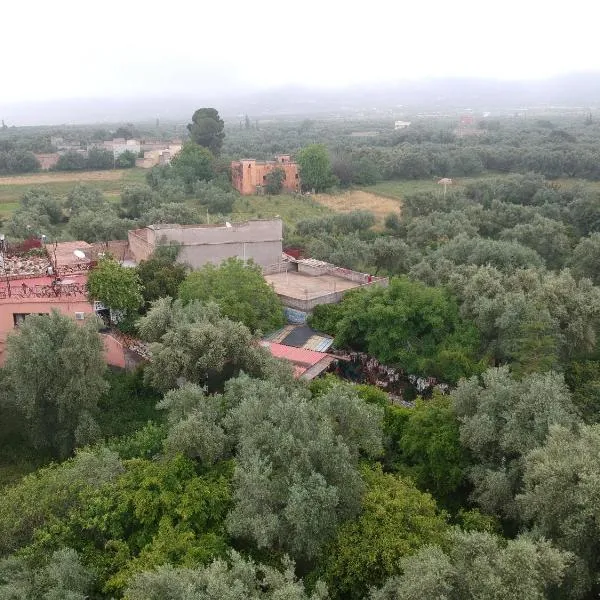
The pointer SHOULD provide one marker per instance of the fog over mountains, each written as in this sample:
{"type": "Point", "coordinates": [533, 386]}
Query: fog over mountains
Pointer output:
{"type": "Point", "coordinates": [580, 91]}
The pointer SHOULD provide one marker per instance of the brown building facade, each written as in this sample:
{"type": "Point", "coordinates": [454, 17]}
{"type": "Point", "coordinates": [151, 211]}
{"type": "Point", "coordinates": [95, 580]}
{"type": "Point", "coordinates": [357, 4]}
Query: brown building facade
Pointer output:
{"type": "Point", "coordinates": [47, 161]}
{"type": "Point", "coordinates": [249, 176]}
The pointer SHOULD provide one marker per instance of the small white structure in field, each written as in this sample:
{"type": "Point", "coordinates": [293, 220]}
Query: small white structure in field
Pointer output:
{"type": "Point", "coordinates": [445, 181]}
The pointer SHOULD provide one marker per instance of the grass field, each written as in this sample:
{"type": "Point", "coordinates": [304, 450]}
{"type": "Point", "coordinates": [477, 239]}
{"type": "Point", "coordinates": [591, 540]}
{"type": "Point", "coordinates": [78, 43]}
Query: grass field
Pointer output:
{"type": "Point", "coordinates": [290, 208]}
{"type": "Point", "coordinates": [379, 205]}
{"type": "Point", "coordinates": [60, 183]}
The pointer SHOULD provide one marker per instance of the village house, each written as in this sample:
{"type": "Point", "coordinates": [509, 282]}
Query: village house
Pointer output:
{"type": "Point", "coordinates": [302, 284]}
{"type": "Point", "coordinates": [56, 279]}
{"type": "Point", "coordinates": [158, 156]}
{"type": "Point", "coordinates": [120, 145]}
{"type": "Point", "coordinates": [48, 160]}
{"type": "Point", "coordinates": [249, 176]}
{"type": "Point", "coordinates": [259, 240]}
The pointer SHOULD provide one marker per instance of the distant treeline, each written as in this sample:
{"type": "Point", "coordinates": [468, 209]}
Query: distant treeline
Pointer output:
{"type": "Point", "coordinates": [364, 152]}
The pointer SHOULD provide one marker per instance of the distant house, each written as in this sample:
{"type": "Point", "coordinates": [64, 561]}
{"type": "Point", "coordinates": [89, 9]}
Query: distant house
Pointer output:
{"type": "Point", "coordinates": [249, 176]}
{"type": "Point", "coordinates": [259, 240]}
{"type": "Point", "coordinates": [401, 124]}
{"type": "Point", "coordinates": [119, 145]}
{"type": "Point", "coordinates": [47, 161]}
{"type": "Point", "coordinates": [158, 156]}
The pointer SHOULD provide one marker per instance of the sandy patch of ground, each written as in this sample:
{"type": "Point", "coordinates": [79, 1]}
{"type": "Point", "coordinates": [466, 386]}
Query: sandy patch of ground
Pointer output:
{"type": "Point", "coordinates": [39, 178]}
{"type": "Point", "coordinates": [380, 206]}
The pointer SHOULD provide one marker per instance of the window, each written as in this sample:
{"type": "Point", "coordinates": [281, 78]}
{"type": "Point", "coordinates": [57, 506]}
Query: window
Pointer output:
{"type": "Point", "coordinates": [19, 318]}
{"type": "Point", "coordinates": [297, 176]}
{"type": "Point", "coordinates": [79, 316]}
{"type": "Point", "coordinates": [264, 177]}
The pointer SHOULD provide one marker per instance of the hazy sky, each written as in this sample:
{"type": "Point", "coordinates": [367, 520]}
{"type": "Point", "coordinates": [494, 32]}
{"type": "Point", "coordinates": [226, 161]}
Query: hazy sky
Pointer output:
{"type": "Point", "coordinates": [74, 49]}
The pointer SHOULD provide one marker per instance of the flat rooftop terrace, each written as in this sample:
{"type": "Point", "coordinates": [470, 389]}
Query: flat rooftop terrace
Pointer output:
{"type": "Point", "coordinates": [308, 287]}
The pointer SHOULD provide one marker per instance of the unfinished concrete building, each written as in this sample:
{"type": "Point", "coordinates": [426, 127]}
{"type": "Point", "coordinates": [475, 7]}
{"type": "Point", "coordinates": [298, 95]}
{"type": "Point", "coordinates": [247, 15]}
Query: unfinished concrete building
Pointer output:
{"type": "Point", "coordinates": [249, 176]}
{"type": "Point", "coordinates": [259, 240]}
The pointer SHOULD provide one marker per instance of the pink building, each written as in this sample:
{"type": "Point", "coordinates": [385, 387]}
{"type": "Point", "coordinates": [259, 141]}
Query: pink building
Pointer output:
{"type": "Point", "coordinates": [39, 295]}
{"type": "Point", "coordinates": [58, 281]}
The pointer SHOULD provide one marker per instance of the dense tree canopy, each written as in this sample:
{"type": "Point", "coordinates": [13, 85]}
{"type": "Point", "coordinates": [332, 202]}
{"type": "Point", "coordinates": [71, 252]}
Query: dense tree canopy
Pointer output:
{"type": "Point", "coordinates": [53, 381]}
{"type": "Point", "coordinates": [396, 520]}
{"type": "Point", "coordinates": [239, 289]}
{"type": "Point", "coordinates": [501, 420]}
{"type": "Point", "coordinates": [408, 324]}
{"type": "Point", "coordinates": [479, 565]}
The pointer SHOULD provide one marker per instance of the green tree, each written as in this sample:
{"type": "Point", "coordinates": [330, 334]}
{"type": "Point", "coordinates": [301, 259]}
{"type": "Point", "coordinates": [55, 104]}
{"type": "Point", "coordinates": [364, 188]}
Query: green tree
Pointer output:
{"type": "Point", "coordinates": [236, 579]}
{"type": "Point", "coordinates": [71, 161]}
{"type": "Point", "coordinates": [85, 197]}
{"type": "Point", "coordinates": [100, 225]}
{"type": "Point", "coordinates": [213, 198]}
{"type": "Point", "coordinates": [206, 129]}
{"type": "Point", "coordinates": [501, 420]}
{"type": "Point", "coordinates": [160, 276]}
{"type": "Point", "coordinates": [431, 452]}
{"type": "Point", "coordinates": [560, 498]}
{"type": "Point", "coordinates": [64, 577]}
{"type": "Point", "coordinates": [171, 212]}
{"type": "Point", "coordinates": [154, 512]}
{"type": "Point", "coordinates": [240, 290]}
{"type": "Point", "coordinates": [315, 168]}
{"type": "Point", "coordinates": [586, 257]}
{"type": "Point", "coordinates": [195, 342]}
{"type": "Point", "coordinates": [193, 163]}
{"type": "Point", "coordinates": [53, 378]}
{"type": "Point", "coordinates": [117, 287]}
{"type": "Point", "coordinates": [136, 200]}
{"type": "Point", "coordinates": [549, 238]}
{"type": "Point", "coordinates": [126, 160]}
{"type": "Point", "coordinates": [49, 494]}
{"type": "Point", "coordinates": [274, 182]}
{"type": "Point", "coordinates": [479, 565]}
{"type": "Point", "coordinates": [296, 476]}
{"type": "Point", "coordinates": [408, 324]}
{"type": "Point", "coordinates": [395, 521]}
{"type": "Point", "coordinates": [100, 159]}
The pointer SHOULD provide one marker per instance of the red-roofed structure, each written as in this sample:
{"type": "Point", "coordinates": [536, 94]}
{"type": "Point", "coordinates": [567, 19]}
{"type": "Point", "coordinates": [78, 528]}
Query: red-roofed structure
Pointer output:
{"type": "Point", "coordinates": [308, 364]}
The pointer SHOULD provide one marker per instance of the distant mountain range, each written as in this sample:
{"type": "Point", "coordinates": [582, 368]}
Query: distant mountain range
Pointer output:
{"type": "Point", "coordinates": [574, 91]}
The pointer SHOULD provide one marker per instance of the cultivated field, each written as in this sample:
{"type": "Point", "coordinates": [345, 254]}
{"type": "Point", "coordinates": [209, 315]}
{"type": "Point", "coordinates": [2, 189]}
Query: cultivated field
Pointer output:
{"type": "Point", "coordinates": [60, 183]}
{"type": "Point", "coordinates": [34, 179]}
{"type": "Point", "coordinates": [380, 206]}
{"type": "Point", "coordinates": [291, 209]}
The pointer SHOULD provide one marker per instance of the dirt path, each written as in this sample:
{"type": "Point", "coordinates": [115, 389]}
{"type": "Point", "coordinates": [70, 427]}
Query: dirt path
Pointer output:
{"type": "Point", "coordinates": [380, 206]}
{"type": "Point", "coordinates": [40, 178]}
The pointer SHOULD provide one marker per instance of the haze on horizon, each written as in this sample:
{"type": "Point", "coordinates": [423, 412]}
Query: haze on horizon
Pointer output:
{"type": "Point", "coordinates": [74, 50]}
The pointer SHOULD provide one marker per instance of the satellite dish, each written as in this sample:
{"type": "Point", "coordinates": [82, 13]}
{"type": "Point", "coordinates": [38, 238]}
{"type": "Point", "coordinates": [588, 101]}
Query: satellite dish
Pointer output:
{"type": "Point", "coordinates": [79, 254]}
{"type": "Point", "coordinates": [228, 224]}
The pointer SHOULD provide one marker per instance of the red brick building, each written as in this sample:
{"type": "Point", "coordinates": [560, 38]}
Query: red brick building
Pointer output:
{"type": "Point", "coordinates": [249, 176]}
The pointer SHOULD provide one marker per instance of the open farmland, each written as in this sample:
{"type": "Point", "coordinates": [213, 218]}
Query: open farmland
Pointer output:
{"type": "Point", "coordinates": [60, 183]}
{"type": "Point", "coordinates": [380, 206]}
{"type": "Point", "coordinates": [291, 209]}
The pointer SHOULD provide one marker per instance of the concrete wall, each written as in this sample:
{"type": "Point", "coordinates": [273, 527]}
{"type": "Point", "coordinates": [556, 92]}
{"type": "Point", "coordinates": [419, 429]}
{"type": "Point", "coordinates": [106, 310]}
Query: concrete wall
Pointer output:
{"type": "Point", "coordinates": [114, 353]}
{"type": "Point", "coordinates": [262, 253]}
{"type": "Point", "coordinates": [139, 247]}
{"type": "Point", "coordinates": [260, 241]}
{"type": "Point", "coordinates": [307, 306]}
